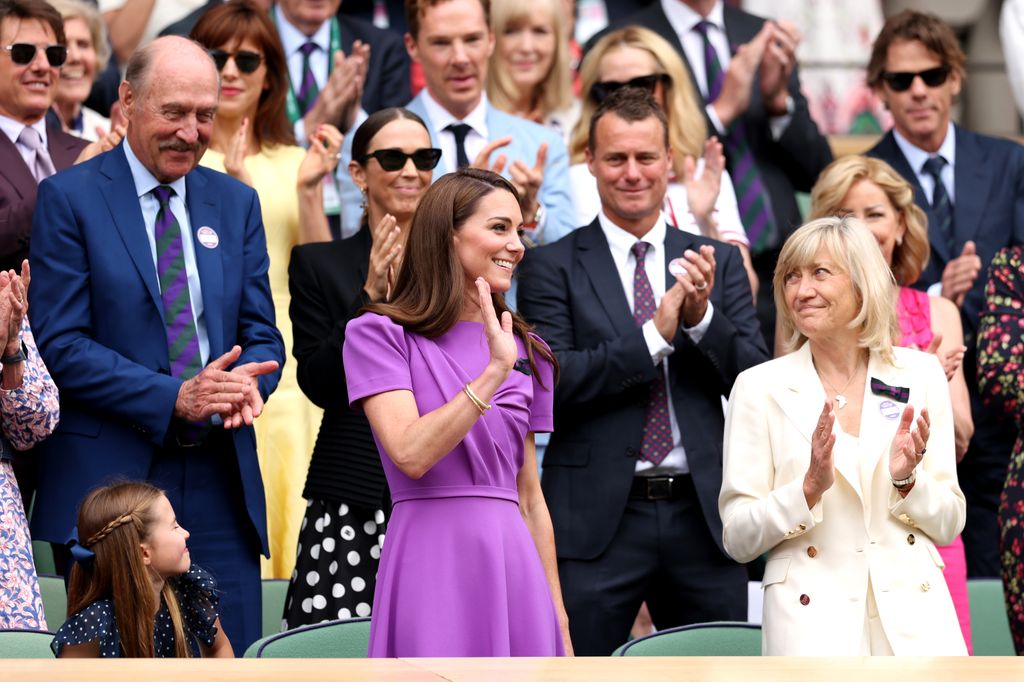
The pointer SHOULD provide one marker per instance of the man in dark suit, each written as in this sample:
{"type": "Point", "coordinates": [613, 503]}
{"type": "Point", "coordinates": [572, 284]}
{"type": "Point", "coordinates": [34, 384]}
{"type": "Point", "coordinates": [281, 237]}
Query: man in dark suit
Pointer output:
{"type": "Point", "coordinates": [972, 189]}
{"type": "Point", "coordinates": [30, 150]}
{"type": "Point", "coordinates": [745, 70]}
{"type": "Point", "coordinates": [634, 468]}
{"type": "Point", "coordinates": [152, 310]}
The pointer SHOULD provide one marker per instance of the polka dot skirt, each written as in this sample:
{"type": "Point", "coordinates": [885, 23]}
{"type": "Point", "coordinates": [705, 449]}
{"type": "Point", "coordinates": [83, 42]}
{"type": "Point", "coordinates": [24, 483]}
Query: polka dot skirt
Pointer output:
{"type": "Point", "coordinates": [335, 565]}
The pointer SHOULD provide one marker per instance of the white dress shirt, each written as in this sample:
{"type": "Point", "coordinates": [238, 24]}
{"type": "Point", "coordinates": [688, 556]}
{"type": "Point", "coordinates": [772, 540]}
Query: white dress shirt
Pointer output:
{"type": "Point", "coordinates": [144, 185]}
{"type": "Point", "coordinates": [620, 243]}
{"type": "Point", "coordinates": [476, 139]}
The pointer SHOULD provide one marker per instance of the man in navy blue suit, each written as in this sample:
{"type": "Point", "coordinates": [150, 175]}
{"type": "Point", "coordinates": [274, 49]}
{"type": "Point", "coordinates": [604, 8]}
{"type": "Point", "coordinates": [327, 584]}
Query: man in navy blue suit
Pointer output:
{"type": "Point", "coordinates": [152, 308]}
{"type": "Point", "coordinates": [972, 188]}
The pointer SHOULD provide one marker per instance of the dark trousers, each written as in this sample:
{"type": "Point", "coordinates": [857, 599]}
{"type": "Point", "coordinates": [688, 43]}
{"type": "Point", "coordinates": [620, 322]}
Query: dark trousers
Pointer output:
{"type": "Point", "coordinates": [662, 553]}
{"type": "Point", "coordinates": [205, 489]}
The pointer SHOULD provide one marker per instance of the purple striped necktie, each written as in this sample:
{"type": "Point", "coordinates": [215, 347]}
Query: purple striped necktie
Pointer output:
{"type": "Point", "coordinates": [182, 337]}
{"type": "Point", "coordinates": [657, 436]}
{"type": "Point", "coordinates": [751, 195]}
{"type": "Point", "coordinates": [308, 89]}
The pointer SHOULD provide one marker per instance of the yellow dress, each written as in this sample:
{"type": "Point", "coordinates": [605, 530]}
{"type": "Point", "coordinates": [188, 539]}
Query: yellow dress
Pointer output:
{"type": "Point", "coordinates": [286, 431]}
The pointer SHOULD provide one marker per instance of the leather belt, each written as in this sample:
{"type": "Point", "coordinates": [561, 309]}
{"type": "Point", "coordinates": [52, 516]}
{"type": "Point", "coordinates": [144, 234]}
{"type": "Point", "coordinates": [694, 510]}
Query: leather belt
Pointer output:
{"type": "Point", "coordinates": [660, 487]}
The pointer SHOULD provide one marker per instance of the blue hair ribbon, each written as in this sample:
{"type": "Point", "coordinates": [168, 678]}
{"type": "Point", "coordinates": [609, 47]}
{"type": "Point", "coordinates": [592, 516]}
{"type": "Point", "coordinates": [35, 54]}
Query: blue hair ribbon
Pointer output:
{"type": "Point", "coordinates": [82, 555]}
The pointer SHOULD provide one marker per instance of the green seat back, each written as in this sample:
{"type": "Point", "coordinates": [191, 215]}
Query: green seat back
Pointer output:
{"type": "Point", "coordinates": [25, 644]}
{"type": "Point", "coordinates": [43, 555]}
{"type": "Point", "coordinates": [990, 629]}
{"type": "Point", "coordinates": [702, 639]}
{"type": "Point", "coordinates": [55, 600]}
{"type": "Point", "coordinates": [274, 593]}
{"type": "Point", "coordinates": [333, 639]}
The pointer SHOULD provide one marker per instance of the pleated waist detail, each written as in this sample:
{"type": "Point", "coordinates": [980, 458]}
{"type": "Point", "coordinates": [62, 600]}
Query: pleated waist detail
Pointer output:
{"type": "Point", "coordinates": [446, 491]}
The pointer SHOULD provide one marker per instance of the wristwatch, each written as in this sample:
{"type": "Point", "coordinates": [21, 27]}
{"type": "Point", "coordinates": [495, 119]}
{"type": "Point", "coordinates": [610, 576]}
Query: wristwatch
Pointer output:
{"type": "Point", "coordinates": [18, 357]}
{"type": "Point", "coordinates": [903, 483]}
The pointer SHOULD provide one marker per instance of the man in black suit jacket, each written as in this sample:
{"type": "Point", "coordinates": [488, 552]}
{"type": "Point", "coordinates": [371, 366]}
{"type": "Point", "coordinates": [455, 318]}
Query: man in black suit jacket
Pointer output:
{"type": "Point", "coordinates": [917, 67]}
{"type": "Point", "coordinates": [760, 96]}
{"type": "Point", "coordinates": [634, 467]}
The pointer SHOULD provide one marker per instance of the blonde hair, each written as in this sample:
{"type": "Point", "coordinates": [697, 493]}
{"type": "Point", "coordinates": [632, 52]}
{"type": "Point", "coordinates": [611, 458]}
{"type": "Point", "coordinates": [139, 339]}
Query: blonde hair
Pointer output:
{"type": "Point", "coordinates": [687, 129]}
{"type": "Point", "coordinates": [77, 9]}
{"type": "Point", "coordinates": [113, 522]}
{"type": "Point", "coordinates": [554, 93]}
{"type": "Point", "coordinates": [853, 248]}
{"type": "Point", "coordinates": [909, 257]}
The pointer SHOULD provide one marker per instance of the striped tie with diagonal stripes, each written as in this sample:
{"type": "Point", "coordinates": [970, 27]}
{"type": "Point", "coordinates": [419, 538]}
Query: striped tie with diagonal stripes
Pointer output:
{"type": "Point", "coordinates": [308, 89]}
{"type": "Point", "coordinates": [182, 338]}
{"type": "Point", "coordinates": [751, 195]}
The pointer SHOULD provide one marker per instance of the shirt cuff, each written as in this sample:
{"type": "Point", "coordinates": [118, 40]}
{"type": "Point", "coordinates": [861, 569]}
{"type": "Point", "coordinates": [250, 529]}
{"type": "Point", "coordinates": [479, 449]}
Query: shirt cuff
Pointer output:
{"type": "Point", "coordinates": [715, 121]}
{"type": "Point", "coordinates": [778, 124]}
{"type": "Point", "coordinates": [300, 133]}
{"type": "Point", "coordinates": [657, 346]}
{"type": "Point", "coordinates": [697, 332]}
{"type": "Point", "coordinates": [935, 290]}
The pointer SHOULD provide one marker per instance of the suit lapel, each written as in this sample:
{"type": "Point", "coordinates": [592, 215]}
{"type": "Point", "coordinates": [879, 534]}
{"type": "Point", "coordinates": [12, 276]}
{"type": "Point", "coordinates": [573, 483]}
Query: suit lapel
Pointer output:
{"type": "Point", "coordinates": [890, 152]}
{"type": "Point", "coordinates": [798, 389]}
{"type": "Point", "coordinates": [203, 212]}
{"type": "Point", "coordinates": [881, 415]}
{"type": "Point", "coordinates": [64, 149]}
{"type": "Point", "coordinates": [14, 168]}
{"type": "Point", "coordinates": [596, 259]}
{"type": "Point", "coordinates": [120, 194]}
{"type": "Point", "coordinates": [972, 177]}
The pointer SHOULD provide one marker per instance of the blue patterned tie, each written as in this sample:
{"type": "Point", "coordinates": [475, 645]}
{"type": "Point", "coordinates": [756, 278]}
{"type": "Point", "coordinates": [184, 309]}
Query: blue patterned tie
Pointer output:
{"type": "Point", "coordinates": [942, 207]}
{"type": "Point", "coordinates": [657, 437]}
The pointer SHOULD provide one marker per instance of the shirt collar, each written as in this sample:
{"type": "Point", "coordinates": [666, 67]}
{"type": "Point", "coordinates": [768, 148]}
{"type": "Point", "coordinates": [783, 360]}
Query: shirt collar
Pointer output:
{"type": "Point", "coordinates": [145, 182]}
{"type": "Point", "coordinates": [683, 19]}
{"type": "Point", "coordinates": [621, 241]}
{"type": "Point", "coordinates": [442, 118]}
{"type": "Point", "coordinates": [292, 38]}
{"type": "Point", "coordinates": [916, 156]}
{"type": "Point", "coordinates": [13, 128]}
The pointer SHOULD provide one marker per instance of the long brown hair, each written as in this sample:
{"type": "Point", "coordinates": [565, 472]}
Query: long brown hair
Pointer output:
{"type": "Point", "coordinates": [431, 285]}
{"type": "Point", "coordinates": [240, 20]}
{"type": "Point", "coordinates": [113, 522]}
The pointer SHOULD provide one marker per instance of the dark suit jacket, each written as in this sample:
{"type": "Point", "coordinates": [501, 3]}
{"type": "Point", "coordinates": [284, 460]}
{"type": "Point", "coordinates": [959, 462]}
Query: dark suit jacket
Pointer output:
{"type": "Point", "coordinates": [789, 165]}
{"type": "Point", "coordinates": [326, 283]}
{"type": "Point", "coordinates": [387, 76]}
{"type": "Point", "coordinates": [571, 291]}
{"type": "Point", "coordinates": [988, 181]}
{"type": "Point", "coordinates": [99, 325]}
{"type": "Point", "coordinates": [18, 192]}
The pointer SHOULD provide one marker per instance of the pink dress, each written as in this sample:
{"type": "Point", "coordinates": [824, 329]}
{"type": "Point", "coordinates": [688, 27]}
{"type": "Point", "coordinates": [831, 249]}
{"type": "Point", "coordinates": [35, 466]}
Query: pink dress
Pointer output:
{"type": "Point", "coordinates": [914, 310]}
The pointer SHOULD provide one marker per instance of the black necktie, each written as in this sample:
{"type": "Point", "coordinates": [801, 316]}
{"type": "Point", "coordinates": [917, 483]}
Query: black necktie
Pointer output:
{"type": "Point", "coordinates": [460, 130]}
{"type": "Point", "coordinates": [942, 207]}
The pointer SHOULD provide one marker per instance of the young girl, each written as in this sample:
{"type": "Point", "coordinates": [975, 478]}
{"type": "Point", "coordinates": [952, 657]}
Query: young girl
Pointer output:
{"type": "Point", "coordinates": [134, 591]}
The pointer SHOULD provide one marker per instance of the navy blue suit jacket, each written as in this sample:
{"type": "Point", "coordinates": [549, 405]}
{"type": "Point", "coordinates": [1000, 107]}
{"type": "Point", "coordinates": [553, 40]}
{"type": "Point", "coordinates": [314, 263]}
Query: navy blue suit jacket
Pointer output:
{"type": "Point", "coordinates": [988, 181]}
{"type": "Point", "coordinates": [571, 291]}
{"type": "Point", "coordinates": [98, 320]}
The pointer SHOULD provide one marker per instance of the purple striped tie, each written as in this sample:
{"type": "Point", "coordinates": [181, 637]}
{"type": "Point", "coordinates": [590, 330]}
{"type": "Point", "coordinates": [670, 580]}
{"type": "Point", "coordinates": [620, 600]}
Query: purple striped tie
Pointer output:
{"type": "Point", "coordinates": [657, 439]}
{"type": "Point", "coordinates": [308, 90]}
{"type": "Point", "coordinates": [182, 338]}
{"type": "Point", "coordinates": [751, 195]}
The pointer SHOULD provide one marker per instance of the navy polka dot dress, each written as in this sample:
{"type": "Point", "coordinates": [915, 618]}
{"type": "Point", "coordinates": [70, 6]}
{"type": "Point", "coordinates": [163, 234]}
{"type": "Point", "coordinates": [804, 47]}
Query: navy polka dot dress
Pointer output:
{"type": "Point", "coordinates": [197, 595]}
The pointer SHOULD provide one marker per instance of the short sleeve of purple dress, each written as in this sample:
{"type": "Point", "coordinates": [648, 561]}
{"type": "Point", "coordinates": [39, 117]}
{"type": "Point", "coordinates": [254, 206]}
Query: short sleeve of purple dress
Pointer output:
{"type": "Point", "coordinates": [459, 572]}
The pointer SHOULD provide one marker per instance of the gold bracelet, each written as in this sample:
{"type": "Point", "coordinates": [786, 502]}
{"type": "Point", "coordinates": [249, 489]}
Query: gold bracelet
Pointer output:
{"type": "Point", "coordinates": [475, 399]}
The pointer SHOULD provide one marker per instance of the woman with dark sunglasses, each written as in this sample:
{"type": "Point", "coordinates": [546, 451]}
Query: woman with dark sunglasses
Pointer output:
{"type": "Point", "coordinates": [340, 542]}
{"type": "Point", "coordinates": [700, 197]}
{"type": "Point", "coordinates": [253, 141]}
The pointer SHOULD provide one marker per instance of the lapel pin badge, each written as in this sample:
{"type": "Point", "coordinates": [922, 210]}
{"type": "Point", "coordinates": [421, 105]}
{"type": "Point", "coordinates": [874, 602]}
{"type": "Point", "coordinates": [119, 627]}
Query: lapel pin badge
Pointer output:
{"type": "Point", "coordinates": [889, 410]}
{"type": "Point", "coordinates": [207, 237]}
{"type": "Point", "coordinates": [898, 393]}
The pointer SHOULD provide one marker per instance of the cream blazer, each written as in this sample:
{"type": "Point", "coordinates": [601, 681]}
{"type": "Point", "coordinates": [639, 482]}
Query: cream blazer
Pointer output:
{"type": "Point", "coordinates": [820, 560]}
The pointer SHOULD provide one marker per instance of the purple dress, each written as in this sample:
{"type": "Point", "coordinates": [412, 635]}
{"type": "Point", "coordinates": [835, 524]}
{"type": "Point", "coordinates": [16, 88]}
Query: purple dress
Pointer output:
{"type": "Point", "coordinates": [459, 573]}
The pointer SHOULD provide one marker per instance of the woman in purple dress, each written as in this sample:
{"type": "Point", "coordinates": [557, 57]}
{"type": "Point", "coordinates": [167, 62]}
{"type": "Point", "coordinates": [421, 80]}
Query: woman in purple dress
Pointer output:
{"type": "Point", "coordinates": [454, 387]}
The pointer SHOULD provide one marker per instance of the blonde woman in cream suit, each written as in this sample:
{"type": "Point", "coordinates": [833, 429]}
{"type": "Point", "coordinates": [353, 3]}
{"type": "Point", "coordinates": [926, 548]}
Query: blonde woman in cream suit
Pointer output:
{"type": "Point", "coordinates": [839, 463]}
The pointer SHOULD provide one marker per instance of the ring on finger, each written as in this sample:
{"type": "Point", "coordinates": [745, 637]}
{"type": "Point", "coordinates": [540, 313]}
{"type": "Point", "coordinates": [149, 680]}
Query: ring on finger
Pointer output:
{"type": "Point", "coordinates": [702, 287]}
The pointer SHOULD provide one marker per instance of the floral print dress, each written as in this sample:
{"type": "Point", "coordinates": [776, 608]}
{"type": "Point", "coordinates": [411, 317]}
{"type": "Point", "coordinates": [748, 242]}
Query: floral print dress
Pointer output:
{"type": "Point", "coordinates": [28, 414]}
{"type": "Point", "coordinates": [1001, 381]}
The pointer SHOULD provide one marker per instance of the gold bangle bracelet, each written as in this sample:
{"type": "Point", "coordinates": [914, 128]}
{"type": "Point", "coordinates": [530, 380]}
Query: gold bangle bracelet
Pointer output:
{"type": "Point", "coordinates": [475, 399]}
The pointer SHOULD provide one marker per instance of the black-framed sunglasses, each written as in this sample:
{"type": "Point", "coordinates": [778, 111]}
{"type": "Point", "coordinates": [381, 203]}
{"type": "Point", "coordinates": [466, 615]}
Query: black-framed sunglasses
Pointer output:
{"type": "Point", "coordinates": [246, 61]}
{"type": "Point", "coordinates": [395, 159]}
{"type": "Point", "coordinates": [899, 81]}
{"type": "Point", "coordinates": [602, 89]}
{"type": "Point", "coordinates": [22, 54]}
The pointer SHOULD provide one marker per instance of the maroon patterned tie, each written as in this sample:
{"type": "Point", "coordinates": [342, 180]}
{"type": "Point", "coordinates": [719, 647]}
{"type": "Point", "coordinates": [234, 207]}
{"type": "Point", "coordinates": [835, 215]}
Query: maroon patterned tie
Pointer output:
{"type": "Point", "coordinates": [657, 438]}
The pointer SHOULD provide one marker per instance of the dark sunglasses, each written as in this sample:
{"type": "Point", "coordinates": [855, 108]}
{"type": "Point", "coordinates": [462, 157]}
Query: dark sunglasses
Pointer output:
{"type": "Point", "coordinates": [601, 90]}
{"type": "Point", "coordinates": [246, 61]}
{"type": "Point", "coordinates": [898, 81]}
{"type": "Point", "coordinates": [22, 54]}
{"type": "Point", "coordinates": [395, 159]}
